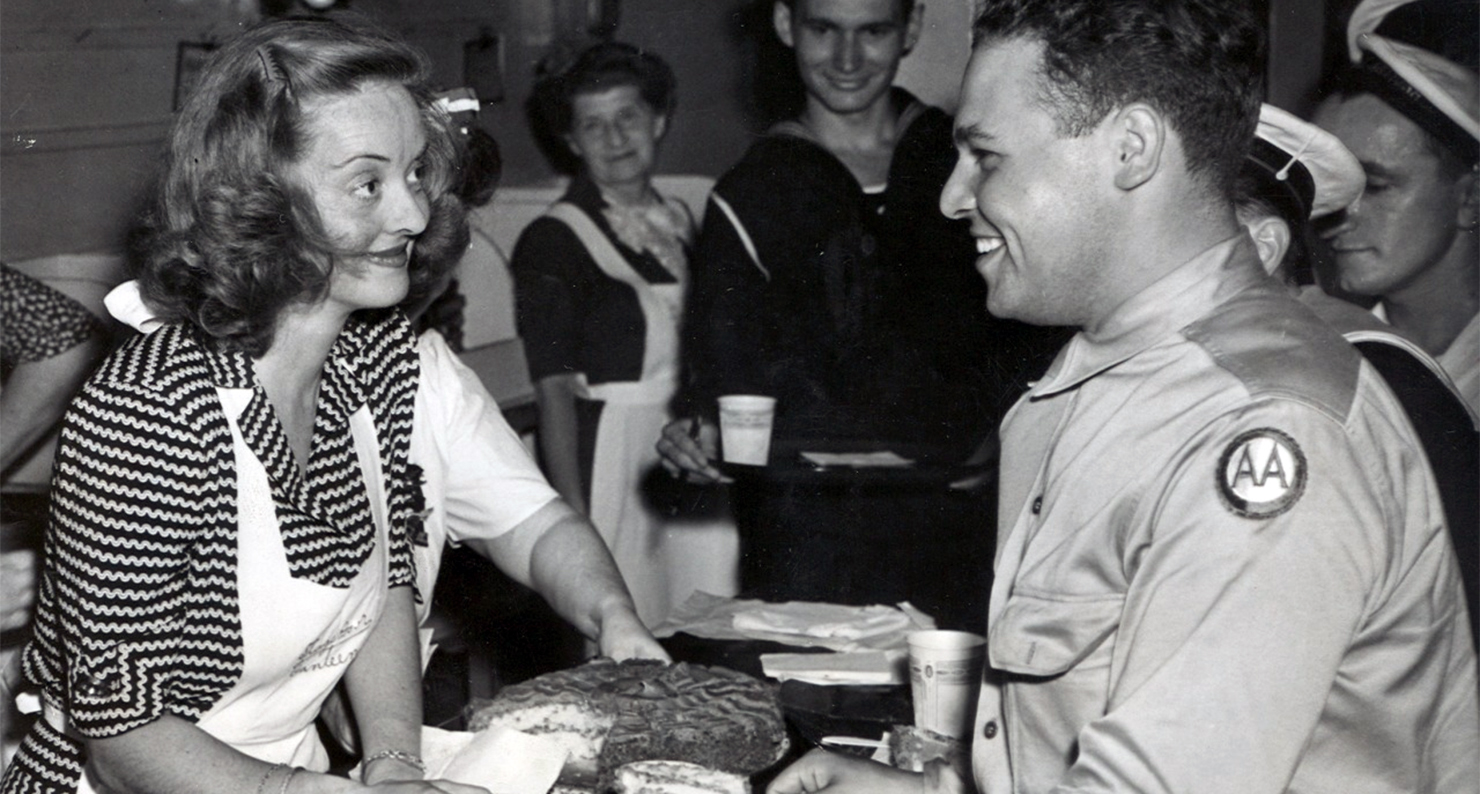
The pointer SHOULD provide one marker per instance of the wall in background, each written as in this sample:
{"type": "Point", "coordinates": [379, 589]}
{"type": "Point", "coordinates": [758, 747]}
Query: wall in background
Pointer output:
{"type": "Point", "coordinates": [710, 46]}
{"type": "Point", "coordinates": [86, 91]}
{"type": "Point", "coordinates": [87, 88]}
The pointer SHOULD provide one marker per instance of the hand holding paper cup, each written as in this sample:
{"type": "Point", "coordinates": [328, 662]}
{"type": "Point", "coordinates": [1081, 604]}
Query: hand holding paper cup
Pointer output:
{"type": "Point", "coordinates": [745, 428]}
{"type": "Point", "coordinates": [945, 675]}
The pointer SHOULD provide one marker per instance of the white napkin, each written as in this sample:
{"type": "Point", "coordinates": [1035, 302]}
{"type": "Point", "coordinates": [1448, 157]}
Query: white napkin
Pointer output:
{"type": "Point", "coordinates": [500, 759]}
{"type": "Point", "coordinates": [824, 621]}
{"type": "Point", "coordinates": [800, 623]}
{"type": "Point", "coordinates": [855, 668]}
{"type": "Point", "coordinates": [857, 460]}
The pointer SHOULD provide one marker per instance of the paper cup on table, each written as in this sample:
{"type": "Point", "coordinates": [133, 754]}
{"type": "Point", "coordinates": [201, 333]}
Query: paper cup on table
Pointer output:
{"type": "Point", "coordinates": [945, 675]}
{"type": "Point", "coordinates": [745, 428]}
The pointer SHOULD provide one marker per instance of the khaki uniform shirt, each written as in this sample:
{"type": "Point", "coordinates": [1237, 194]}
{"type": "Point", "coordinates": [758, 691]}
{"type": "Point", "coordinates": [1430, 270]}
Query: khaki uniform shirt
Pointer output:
{"type": "Point", "coordinates": [1223, 564]}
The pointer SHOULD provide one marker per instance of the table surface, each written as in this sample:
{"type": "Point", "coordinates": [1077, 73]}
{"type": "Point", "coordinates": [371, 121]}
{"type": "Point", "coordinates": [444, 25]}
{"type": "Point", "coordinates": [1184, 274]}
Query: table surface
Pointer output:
{"type": "Point", "coordinates": [932, 468]}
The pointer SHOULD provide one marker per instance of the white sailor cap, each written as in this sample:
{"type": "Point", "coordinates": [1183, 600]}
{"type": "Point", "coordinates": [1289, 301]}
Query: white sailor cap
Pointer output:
{"type": "Point", "coordinates": [1302, 167]}
{"type": "Point", "coordinates": [1439, 95]}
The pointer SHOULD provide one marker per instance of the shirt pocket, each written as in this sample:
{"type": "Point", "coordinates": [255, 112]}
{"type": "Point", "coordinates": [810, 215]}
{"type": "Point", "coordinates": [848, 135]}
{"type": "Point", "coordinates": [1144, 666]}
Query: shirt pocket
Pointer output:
{"type": "Point", "coordinates": [1047, 635]}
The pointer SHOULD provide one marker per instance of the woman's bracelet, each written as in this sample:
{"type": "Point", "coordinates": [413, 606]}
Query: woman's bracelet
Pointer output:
{"type": "Point", "coordinates": [410, 759]}
{"type": "Point", "coordinates": [265, 776]}
{"type": "Point", "coordinates": [291, 772]}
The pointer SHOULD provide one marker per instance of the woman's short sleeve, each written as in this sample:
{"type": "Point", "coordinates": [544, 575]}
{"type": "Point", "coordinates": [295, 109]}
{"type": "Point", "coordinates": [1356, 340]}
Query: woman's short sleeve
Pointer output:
{"type": "Point", "coordinates": [549, 290]}
{"type": "Point", "coordinates": [138, 607]}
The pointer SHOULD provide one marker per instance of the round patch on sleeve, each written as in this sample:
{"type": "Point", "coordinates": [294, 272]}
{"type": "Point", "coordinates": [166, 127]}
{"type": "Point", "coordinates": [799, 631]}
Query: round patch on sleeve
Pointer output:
{"type": "Point", "coordinates": [1262, 473]}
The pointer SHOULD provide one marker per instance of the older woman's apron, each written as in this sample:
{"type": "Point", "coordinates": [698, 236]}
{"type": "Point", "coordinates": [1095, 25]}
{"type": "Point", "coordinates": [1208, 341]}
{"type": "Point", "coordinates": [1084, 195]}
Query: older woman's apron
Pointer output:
{"type": "Point", "coordinates": [662, 559]}
{"type": "Point", "coordinates": [298, 637]}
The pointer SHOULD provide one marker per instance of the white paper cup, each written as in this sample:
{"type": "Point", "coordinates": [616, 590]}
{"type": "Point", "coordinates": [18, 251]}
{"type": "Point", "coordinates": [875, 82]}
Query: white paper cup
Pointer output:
{"type": "Point", "coordinates": [745, 428]}
{"type": "Point", "coordinates": [945, 676]}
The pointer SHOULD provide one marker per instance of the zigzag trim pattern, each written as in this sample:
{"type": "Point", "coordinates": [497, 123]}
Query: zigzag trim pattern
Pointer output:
{"type": "Point", "coordinates": [47, 763]}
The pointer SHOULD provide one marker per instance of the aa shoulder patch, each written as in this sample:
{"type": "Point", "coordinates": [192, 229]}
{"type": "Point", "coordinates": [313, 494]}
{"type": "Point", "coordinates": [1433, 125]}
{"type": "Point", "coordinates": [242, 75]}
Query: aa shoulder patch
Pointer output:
{"type": "Point", "coordinates": [1261, 474]}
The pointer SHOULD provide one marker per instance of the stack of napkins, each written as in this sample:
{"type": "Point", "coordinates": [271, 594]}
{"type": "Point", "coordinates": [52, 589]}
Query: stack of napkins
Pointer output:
{"type": "Point", "coordinates": [857, 460]}
{"type": "Point", "coordinates": [806, 624]}
{"type": "Point", "coordinates": [829, 623]}
{"type": "Point", "coordinates": [855, 668]}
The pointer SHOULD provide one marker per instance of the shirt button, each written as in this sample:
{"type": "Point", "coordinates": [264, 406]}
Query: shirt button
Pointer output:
{"type": "Point", "coordinates": [1037, 505]}
{"type": "Point", "coordinates": [989, 730]}
{"type": "Point", "coordinates": [880, 210]}
{"type": "Point", "coordinates": [868, 244]}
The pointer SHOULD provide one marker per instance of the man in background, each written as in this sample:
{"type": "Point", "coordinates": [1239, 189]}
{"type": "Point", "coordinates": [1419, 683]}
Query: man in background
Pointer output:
{"type": "Point", "coordinates": [1297, 172]}
{"type": "Point", "coordinates": [1409, 109]}
{"type": "Point", "coordinates": [818, 280]}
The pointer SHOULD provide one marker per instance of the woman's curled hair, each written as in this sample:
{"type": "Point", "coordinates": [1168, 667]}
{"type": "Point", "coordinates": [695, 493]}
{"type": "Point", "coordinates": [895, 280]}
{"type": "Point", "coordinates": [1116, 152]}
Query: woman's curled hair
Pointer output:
{"type": "Point", "coordinates": [231, 241]}
{"type": "Point", "coordinates": [597, 68]}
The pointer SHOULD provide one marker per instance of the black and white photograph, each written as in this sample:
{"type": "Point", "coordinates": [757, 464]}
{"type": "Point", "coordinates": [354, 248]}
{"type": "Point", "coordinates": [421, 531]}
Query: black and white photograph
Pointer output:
{"type": "Point", "coordinates": [739, 396]}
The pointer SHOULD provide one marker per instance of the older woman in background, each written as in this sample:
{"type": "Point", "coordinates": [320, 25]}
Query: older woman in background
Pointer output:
{"type": "Point", "coordinates": [599, 286]}
{"type": "Point", "coordinates": [243, 470]}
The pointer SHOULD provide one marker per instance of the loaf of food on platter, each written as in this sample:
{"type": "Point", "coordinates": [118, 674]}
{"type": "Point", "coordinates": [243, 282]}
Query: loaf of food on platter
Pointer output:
{"type": "Point", "coordinates": [611, 713]}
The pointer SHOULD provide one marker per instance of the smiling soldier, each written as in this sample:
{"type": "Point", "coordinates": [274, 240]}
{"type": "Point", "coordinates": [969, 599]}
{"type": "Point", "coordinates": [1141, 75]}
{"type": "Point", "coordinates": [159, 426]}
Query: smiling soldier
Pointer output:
{"type": "Point", "coordinates": [1223, 563]}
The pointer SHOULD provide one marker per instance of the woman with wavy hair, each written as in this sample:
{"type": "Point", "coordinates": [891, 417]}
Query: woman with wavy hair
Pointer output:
{"type": "Point", "coordinates": [232, 506]}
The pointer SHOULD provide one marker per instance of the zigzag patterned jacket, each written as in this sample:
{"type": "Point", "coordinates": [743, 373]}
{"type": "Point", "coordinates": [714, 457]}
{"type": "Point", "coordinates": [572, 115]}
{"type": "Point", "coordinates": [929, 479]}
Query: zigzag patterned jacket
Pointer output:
{"type": "Point", "coordinates": [137, 612]}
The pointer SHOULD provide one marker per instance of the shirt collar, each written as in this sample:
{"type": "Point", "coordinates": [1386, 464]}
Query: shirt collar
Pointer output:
{"type": "Point", "coordinates": [1173, 302]}
{"type": "Point", "coordinates": [231, 368]}
{"type": "Point", "coordinates": [910, 109]}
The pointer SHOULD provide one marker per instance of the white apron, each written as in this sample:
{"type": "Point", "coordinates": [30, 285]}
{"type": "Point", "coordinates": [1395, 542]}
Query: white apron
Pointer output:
{"type": "Point", "coordinates": [298, 637]}
{"type": "Point", "coordinates": [662, 559]}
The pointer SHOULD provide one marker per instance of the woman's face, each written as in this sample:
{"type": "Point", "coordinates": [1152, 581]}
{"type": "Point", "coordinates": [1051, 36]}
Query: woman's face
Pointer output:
{"type": "Point", "coordinates": [362, 166]}
{"type": "Point", "coordinates": [616, 134]}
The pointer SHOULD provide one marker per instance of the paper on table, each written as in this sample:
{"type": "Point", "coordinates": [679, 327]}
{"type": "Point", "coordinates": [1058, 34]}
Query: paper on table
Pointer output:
{"type": "Point", "coordinates": [857, 668]}
{"type": "Point", "coordinates": [500, 759]}
{"type": "Point", "coordinates": [857, 460]}
{"type": "Point", "coordinates": [823, 623]}
{"type": "Point", "coordinates": [795, 622]}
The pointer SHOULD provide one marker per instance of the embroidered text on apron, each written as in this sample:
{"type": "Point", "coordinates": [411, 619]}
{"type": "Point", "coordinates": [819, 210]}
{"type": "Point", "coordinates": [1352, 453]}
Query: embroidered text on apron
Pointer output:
{"type": "Point", "coordinates": [297, 636]}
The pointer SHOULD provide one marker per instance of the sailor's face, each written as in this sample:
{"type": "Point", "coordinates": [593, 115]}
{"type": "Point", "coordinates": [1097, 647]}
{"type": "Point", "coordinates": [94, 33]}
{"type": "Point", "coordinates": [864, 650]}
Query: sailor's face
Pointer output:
{"type": "Point", "coordinates": [847, 51]}
{"type": "Point", "coordinates": [1410, 213]}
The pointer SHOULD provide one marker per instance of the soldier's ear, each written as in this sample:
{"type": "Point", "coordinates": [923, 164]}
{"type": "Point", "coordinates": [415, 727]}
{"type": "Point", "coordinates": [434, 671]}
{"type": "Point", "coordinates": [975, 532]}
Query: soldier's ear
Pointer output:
{"type": "Point", "coordinates": [1138, 134]}
{"type": "Point", "coordinates": [1271, 239]}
